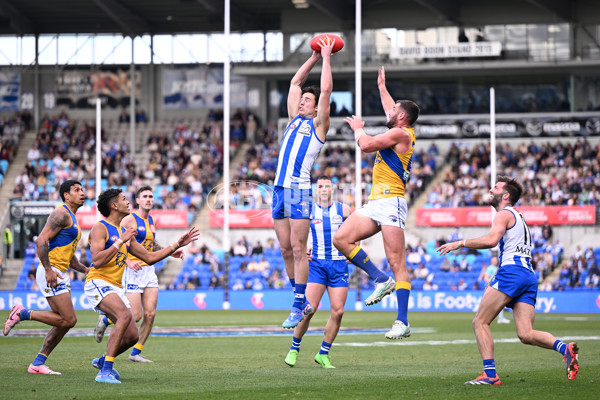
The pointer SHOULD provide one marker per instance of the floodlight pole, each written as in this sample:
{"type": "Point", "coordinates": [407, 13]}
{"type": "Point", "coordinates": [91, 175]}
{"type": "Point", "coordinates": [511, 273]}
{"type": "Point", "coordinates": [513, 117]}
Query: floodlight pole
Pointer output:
{"type": "Point", "coordinates": [132, 102]}
{"type": "Point", "coordinates": [492, 141]}
{"type": "Point", "coordinates": [358, 100]}
{"type": "Point", "coordinates": [358, 111]}
{"type": "Point", "coordinates": [98, 147]}
{"type": "Point", "coordinates": [226, 132]}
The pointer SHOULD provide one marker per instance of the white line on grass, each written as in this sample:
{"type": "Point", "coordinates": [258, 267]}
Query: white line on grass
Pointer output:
{"type": "Point", "coordinates": [449, 342]}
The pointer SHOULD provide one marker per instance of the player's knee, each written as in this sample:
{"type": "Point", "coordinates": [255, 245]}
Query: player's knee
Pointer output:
{"type": "Point", "coordinates": [286, 252]}
{"type": "Point", "coordinates": [69, 322]}
{"type": "Point", "coordinates": [526, 337]}
{"type": "Point", "coordinates": [124, 317]}
{"type": "Point", "coordinates": [298, 252]}
{"type": "Point", "coordinates": [149, 315]}
{"type": "Point", "coordinates": [337, 313]}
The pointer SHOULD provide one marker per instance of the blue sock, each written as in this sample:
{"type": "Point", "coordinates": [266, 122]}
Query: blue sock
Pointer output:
{"type": "Point", "coordinates": [325, 348]}
{"type": "Point", "coordinates": [107, 367]}
{"type": "Point", "coordinates": [106, 321]}
{"type": "Point", "coordinates": [403, 294]}
{"type": "Point", "coordinates": [489, 367]}
{"type": "Point", "coordinates": [293, 282]}
{"type": "Point", "coordinates": [101, 362]}
{"type": "Point", "coordinates": [299, 297]}
{"type": "Point", "coordinates": [359, 258]}
{"type": "Point", "coordinates": [296, 343]}
{"type": "Point", "coordinates": [560, 346]}
{"type": "Point", "coordinates": [25, 315]}
{"type": "Point", "coordinates": [40, 360]}
{"type": "Point", "coordinates": [137, 349]}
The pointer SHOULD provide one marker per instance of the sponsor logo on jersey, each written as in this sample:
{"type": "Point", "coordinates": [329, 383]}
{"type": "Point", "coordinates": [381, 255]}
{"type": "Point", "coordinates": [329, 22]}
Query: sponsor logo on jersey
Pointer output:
{"type": "Point", "coordinates": [304, 128]}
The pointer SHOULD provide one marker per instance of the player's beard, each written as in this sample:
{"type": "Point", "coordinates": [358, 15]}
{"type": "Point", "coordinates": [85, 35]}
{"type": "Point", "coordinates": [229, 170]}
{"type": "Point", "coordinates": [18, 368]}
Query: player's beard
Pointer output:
{"type": "Point", "coordinates": [391, 123]}
{"type": "Point", "coordinates": [495, 200]}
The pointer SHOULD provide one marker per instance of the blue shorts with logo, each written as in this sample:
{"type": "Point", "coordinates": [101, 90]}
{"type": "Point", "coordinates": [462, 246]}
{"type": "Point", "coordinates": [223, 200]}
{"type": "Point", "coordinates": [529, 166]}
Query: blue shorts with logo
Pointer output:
{"type": "Point", "coordinates": [331, 273]}
{"type": "Point", "coordinates": [517, 282]}
{"type": "Point", "coordinates": [291, 203]}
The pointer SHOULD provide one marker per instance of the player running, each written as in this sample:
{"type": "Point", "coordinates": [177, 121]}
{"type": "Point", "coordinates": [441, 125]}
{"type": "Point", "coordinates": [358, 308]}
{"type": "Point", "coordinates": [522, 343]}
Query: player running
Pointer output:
{"type": "Point", "coordinates": [141, 286]}
{"type": "Point", "coordinates": [110, 244]}
{"type": "Point", "coordinates": [515, 284]}
{"type": "Point", "coordinates": [56, 246]}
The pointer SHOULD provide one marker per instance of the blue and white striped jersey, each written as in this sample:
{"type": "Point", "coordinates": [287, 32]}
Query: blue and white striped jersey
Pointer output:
{"type": "Point", "coordinates": [515, 246]}
{"type": "Point", "coordinates": [324, 224]}
{"type": "Point", "coordinates": [299, 150]}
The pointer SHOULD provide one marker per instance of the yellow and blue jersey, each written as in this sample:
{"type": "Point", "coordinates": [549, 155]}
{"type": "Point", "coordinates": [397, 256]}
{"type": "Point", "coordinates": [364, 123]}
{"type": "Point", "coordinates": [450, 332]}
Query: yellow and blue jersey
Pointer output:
{"type": "Point", "coordinates": [61, 247]}
{"type": "Point", "coordinates": [391, 171]}
{"type": "Point", "coordinates": [112, 271]}
{"type": "Point", "coordinates": [146, 232]}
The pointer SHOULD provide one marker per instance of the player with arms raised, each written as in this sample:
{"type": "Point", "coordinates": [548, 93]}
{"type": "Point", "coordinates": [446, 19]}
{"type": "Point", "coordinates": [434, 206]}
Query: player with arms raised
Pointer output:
{"type": "Point", "coordinates": [308, 111]}
{"type": "Point", "coordinates": [386, 210]}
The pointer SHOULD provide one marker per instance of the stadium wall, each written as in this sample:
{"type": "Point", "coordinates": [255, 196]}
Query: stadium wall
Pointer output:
{"type": "Point", "coordinates": [456, 301]}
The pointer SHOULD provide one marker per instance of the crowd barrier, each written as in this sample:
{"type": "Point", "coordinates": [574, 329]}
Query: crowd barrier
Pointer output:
{"type": "Point", "coordinates": [461, 301]}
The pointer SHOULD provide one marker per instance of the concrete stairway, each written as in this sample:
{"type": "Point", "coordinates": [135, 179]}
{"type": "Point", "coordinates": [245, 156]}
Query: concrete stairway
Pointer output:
{"type": "Point", "coordinates": [12, 268]}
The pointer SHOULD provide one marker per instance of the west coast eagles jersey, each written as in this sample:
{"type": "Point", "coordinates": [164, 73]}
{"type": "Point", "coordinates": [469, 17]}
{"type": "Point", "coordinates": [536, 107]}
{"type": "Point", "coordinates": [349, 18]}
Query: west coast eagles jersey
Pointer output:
{"type": "Point", "coordinates": [391, 171]}
{"type": "Point", "coordinates": [146, 232]}
{"type": "Point", "coordinates": [112, 271]}
{"type": "Point", "coordinates": [61, 247]}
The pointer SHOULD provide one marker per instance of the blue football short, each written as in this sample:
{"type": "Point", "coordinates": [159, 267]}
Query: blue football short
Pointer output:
{"type": "Point", "coordinates": [291, 203]}
{"type": "Point", "coordinates": [516, 282]}
{"type": "Point", "coordinates": [331, 273]}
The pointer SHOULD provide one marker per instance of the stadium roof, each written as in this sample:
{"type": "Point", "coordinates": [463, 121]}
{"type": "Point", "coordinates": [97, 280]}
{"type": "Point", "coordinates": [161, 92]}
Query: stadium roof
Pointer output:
{"type": "Point", "coordinates": [135, 17]}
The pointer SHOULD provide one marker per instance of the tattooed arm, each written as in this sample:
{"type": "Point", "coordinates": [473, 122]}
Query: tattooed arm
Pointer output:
{"type": "Point", "coordinates": [58, 219]}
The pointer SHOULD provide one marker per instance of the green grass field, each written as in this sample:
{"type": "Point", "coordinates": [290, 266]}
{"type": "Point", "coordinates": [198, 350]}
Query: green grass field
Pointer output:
{"type": "Point", "coordinates": [432, 364]}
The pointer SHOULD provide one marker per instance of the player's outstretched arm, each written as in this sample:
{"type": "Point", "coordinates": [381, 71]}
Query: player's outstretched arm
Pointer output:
{"type": "Point", "coordinates": [386, 99]}
{"type": "Point", "coordinates": [395, 137]}
{"type": "Point", "coordinates": [322, 121]}
{"type": "Point", "coordinates": [178, 254]}
{"type": "Point", "coordinates": [153, 257]}
{"type": "Point", "coordinates": [502, 221]}
{"type": "Point", "coordinates": [295, 93]}
{"type": "Point", "coordinates": [57, 220]}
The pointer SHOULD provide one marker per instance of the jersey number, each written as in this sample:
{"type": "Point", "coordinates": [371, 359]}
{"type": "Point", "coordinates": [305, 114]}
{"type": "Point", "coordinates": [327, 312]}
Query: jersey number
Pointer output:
{"type": "Point", "coordinates": [526, 232]}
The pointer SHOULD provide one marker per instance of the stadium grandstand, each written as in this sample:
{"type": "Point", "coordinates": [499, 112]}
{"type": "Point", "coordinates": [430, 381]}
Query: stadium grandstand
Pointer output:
{"type": "Point", "coordinates": [158, 69]}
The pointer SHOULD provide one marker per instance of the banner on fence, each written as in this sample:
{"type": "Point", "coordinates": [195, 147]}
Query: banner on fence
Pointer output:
{"type": "Point", "coordinates": [169, 219]}
{"type": "Point", "coordinates": [458, 301]}
{"type": "Point", "coordinates": [254, 218]}
{"type": "Point", "coordinates": [482, 216]}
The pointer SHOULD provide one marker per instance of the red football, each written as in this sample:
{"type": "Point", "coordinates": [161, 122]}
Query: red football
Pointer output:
{"type": "Point", "coordinates": [316, 46]}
